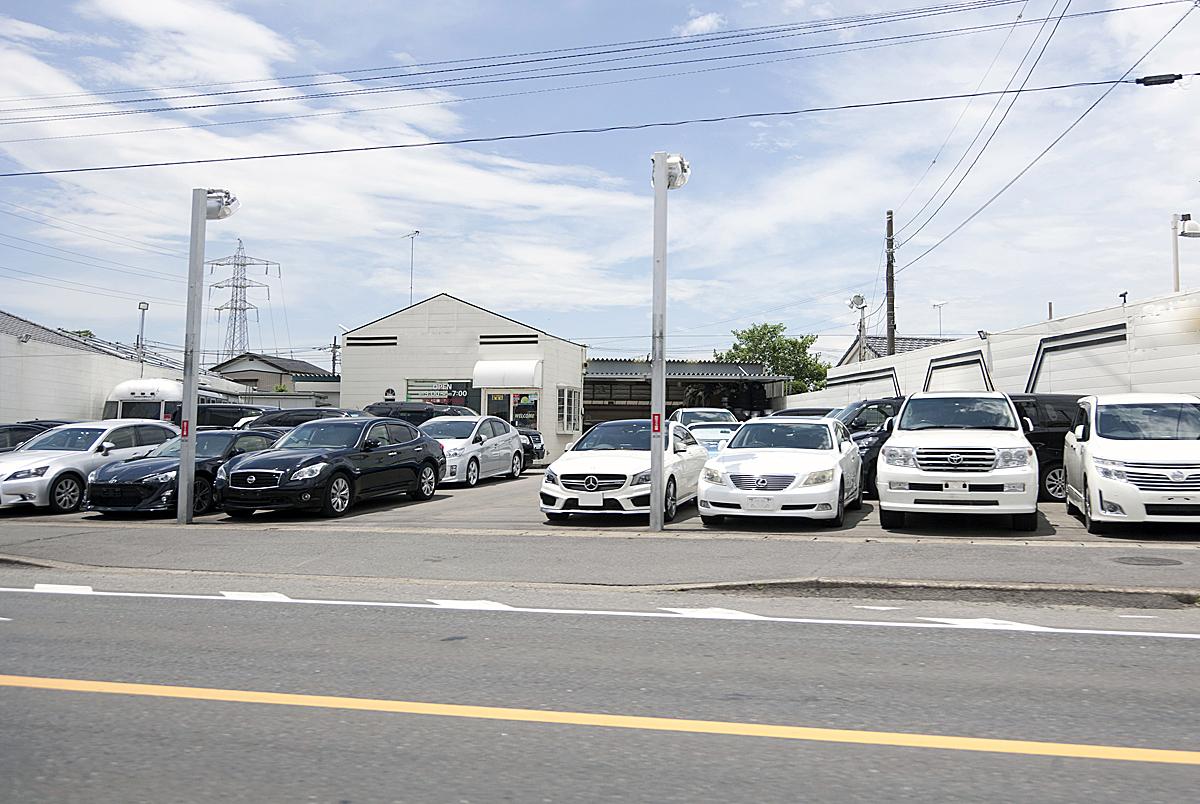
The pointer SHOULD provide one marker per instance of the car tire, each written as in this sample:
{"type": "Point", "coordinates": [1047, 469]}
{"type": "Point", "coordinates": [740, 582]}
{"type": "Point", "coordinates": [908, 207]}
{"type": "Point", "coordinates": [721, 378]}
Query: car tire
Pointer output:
{"type": "Point", "coordinates": [202, 496]}
{"type": "Point", "coordinates": [889, 519]}
{"type": "Point", "coordinates": [338, 496]}
{"type": "Point", "coordinates": [711, 521]}
{"type": "Point", "coordinates": [1025, 522]}
{"type": "Point", "coordinates": [869, 482]}
{"type": "Point", "coordinates": [556, 516]}
{"type": "Point", "coordinates": [471, 476]}
{"type": "Point", "coordinates": [857, 503]}
{"type": "Point", "coordinates": [839, 518]}
{"type": "Point", "coordinates": [66, 494]}
{"type": "Point", "coordinates": [426, 483]}
{"type": "Point", "coordinates": [518, 465]}
{"type": "Point", "coordinates": [670, 501]}
{"type": "Point", "coordinates": [239, 513]}
{"type": "Point", "coordinates": [1090, 525]}
{"type": "Point", "coordinates": [1053, 483]}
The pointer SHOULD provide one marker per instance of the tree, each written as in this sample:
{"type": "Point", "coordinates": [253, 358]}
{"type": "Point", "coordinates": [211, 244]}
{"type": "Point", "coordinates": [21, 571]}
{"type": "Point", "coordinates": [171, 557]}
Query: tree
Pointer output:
{"type": "Point", "coordinates": [779, 354]}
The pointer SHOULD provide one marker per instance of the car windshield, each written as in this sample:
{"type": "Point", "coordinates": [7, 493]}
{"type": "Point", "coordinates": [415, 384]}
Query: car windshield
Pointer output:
{"type": "Point", "coordinates": [67, 439]}
{"type": "Point", "coordinates": [617, 435]}
{"type": "Point", "coordinates": [208, 445]}
{"type": "Point", "coordinates": [450, 428]}
{"type": "Point", "coordinates": [1169, 421]}
{"type": "Point", "coordinates": [708, 432]}
{"type": "Point", "coordinates": [957, 413]}
{"type": "Point", "coordinates": [322, 433]}
{"type": "Point", "coordinates": [782, 436]}
{"type": "Point", "coordinates": [693, 416]}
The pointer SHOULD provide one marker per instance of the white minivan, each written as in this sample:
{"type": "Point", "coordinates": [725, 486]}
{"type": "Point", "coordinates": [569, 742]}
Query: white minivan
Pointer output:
{"type": "Point", "coordinates": [1134, 458]}
{"type": "Point", "coordinates": [958, 452]}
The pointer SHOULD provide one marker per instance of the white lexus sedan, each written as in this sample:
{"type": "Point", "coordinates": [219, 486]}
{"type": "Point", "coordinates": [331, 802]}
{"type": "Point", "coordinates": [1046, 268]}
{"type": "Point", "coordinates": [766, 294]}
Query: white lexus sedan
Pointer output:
{"type": "Point", "coordinates": [786, 467]}
{"type": "Point", "coordinates": [607, 471]}
{"type": "Point", "coordinates": [51, 469]}
{"type": "Point", "coordinates": [477, 447]}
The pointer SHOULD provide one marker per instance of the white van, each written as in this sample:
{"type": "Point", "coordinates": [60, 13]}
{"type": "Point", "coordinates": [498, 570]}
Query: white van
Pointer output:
{"type": "Point", "coordinates": [956, 453]}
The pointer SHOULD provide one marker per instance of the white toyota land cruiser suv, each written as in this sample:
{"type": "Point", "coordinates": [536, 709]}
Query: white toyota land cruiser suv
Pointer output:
{"type": "Point", "coordinates": [955, 453]}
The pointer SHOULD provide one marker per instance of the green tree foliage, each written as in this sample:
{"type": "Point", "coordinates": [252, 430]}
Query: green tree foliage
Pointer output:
{"type": "Point", "coordinates": [768, 344]}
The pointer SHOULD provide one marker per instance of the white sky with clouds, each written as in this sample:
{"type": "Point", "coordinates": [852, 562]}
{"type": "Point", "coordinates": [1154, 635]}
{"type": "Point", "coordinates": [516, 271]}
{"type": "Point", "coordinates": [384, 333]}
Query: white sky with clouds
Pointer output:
{"type": "Point", "coordinates": [781, 215]}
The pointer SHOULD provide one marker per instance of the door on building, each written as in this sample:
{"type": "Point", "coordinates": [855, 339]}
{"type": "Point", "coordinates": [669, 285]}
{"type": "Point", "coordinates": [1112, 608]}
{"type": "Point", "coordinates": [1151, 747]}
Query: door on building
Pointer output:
{"type": "Point", "coordinates": [498, 405]}
{"type": "Point", "coordinates": [518, 408]}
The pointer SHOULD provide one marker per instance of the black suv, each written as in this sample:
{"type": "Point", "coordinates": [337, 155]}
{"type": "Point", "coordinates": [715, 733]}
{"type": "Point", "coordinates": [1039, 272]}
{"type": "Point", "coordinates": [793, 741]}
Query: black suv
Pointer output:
{"type": "Point", "coordinates": [532, 444]}
{"type": "Point", "coordinates": [290, 417]}
{"type": "Point", "coordinates": [864, 419]}
{"type": "Point", "coordinates": [326, 465]}
{"type": "Point", "coordinates": [221, 415]}
{"type": "Point", "coordinates": [416, 413]}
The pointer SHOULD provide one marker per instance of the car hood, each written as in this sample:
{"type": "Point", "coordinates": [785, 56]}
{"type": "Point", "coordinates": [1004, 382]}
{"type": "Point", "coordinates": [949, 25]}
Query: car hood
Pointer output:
{"type": "Point", "coordinates": [773, 461]}
{"type": "Point", "coordinates": [135, 469]}
{"type": "Point", "coordinates": [15, 461]}
{"type": "Point", "coordinates": [281, 458]}
{"type": "Point", "coordinates": [1146, 451]}
{"type": "Point", "coordinates": [715, 434]}
{"type": "Point", "coordinates": [603, 461]}
{"type": "Point", "coordinates": [997, 439]}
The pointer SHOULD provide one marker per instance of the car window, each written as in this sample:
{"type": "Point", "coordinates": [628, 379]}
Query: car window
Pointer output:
{"type": "Point", "coordinates": [1055, 414]}
{"type": "Point", "coordinates": [150, 436]}
{"type": "Point", "coordinates": [219, 416]}
{"type": "Point", "coordinates": [122, 438]}
{"type": "Point", "coordinates": [872, 415]}
{"type": "Point", "coordinates": [253, 443]}
{"type": "Point", "coordinates": [494, 428]}
{"type": "Point", "coordinates": [785, 435]}
{"type": "Point", "coordinates": [379, 432]}
{"type": "Point", "coordinates": [687, 438]}
{"type": "Point", "coordinates": [401, 433]}
{"type": "Point", "coordinates": [1027, 409]}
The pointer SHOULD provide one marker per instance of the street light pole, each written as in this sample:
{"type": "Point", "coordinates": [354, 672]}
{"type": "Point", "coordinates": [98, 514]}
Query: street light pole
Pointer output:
{"type": "Point", "coordinates": [412, 261]}
{"type": "Point", "coordinates": [1175, 250]}
{"type": "Point", "coordinates": [141, 341]}
{"type": "Point", "coordinates": [206, 205]}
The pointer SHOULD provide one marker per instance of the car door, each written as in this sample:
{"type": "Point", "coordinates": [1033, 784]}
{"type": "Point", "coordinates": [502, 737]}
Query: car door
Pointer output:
{"type": "Point", "coordinates": [405, 453]}
{"type": "Point", "coordinates": [848, 460]}
{"type": "Point", "coordinates": [375, 464]}
{"type": "Point", "coordinates": [492, 461]}
{"type": "Point", "coordinates": [689, 463]}
{"type": "Point", "coordinates": [1073, 450]}
{"type": "Point", "coordinates": [124, 441]}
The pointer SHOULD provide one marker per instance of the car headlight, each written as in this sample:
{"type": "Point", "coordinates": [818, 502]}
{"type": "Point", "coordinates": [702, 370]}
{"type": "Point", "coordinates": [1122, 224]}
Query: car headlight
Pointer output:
{"type": "Point", "coordinates": [865, 444]}
{"type": "Point", "coordinates": [900, 456]}
{"type": "Point", "coordinates": [713, 475]}
{"type": "Point", "coordinates": [817, 478]}
{"type": "Point", "coordinates": [1009, 458]}
{"type": "Point", "coordinates": [92, 475]}
{"type": "Point", "coordinates": [23, 474]}
{"type": "Point", "coordinates": [163, 477]}
{"type": "Point", "coordinates": [222, 473]}
{"type": "Point", "coordinates": [308, 472]}
{"type": "Point", "coordinates": [526, 440]}
{"type": "Point", "coordinates": [457, 452]}
{"type": "Point", "coordinates": [551, 477]}
{"type": "Point", "coordinates": [1113, 470]}
{"type": "Point", "coordinates": [641, 478]}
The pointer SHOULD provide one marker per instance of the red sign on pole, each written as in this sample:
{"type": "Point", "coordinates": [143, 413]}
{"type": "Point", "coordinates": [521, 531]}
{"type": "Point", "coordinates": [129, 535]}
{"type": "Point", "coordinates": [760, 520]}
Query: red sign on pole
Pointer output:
{"type": "Point", "coordinates": [184, 428]}
{"type": "Point", "coordinates": [656, 422]}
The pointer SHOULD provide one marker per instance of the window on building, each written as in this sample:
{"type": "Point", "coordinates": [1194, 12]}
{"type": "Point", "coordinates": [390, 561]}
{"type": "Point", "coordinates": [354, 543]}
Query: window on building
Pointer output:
{"type": "Point", "coordinates": [570, 410]}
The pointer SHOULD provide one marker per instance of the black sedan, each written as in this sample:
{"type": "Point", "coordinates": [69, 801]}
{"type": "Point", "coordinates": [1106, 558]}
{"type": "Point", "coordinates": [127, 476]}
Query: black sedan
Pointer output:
{"type": "Point", "coordinates": [327, 465]}
{"type": "Point", "coordinates": [148, 483]}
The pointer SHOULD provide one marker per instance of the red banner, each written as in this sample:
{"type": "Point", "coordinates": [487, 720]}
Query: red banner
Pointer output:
{"type": "Point", "coordinates": [184, 428]}
{"type": "Point", "coordinates": [656, 422]}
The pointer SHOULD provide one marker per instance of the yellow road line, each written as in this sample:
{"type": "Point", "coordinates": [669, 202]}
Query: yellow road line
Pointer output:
{"type": "Point", "coordinates": [894, 739]}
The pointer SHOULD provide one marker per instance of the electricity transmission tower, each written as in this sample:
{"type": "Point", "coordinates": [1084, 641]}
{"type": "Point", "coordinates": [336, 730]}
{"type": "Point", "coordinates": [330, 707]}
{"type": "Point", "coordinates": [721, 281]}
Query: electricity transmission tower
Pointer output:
{"type": "Point", "coordinates": [237, 325]}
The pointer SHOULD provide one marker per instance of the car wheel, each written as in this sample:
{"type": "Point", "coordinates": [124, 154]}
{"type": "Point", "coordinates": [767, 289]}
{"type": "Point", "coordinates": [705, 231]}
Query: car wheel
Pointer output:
{"type": "Point", "coordinates": [1026, 522]}
{"type": "Point", "coordinates": [471, 478]}
{"type": "Point", "coordinates": [1092, 526]}
{"type": "Point", "coordinates": [856, 503]}
{"type": "Point", "coordinates": [890, 520]}
{"type": "Point", "coordinates": [556, 516]}
{"type": "Point", "coordinates": [66, 494]}
{"type": "Point", "coordinates": [426, 483]}
{"type": "Point", "coordinates": [711, 521]}
{"type": "Point", "coordinates": [1054, 483]}
{"type": "Point", "coordinates": [869, 481]}
{"type": "Point", "coordinates": [518, 465]}
{"type": "Point", "coordinates": [337, 497]}
{"type": "Point", "coordinates": [670, 501]}
{"type": "Point", "coordinates": [839, 518]}
{"type": "Point", "coordinates": [202, 496]}
{"type": "Point", "coordinates": [239, 513]}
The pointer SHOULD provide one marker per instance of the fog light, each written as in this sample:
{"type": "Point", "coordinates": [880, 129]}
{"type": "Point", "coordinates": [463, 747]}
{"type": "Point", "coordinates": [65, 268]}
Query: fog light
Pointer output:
{"type": "Point", "coordinates": [1014, 486]}
{"type": "Point", "coordinates": [897, 485]}
{"type": "Point", "coordinates": [453, 471]}
{"type": "Point", "coordinates": [306, 496]}
{"type": "Point", "coordinates": [1112, 508]}
{"type": "Point", "coordinates": [704, 504]}
{"type": "Point", "coordinates": [165, 498]}
{"type": "Point", "coordinates": [824, 507]}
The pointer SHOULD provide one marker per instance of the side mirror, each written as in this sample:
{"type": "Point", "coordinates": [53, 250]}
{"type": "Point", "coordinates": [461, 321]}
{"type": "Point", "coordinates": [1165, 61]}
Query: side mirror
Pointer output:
{"type": "Point", "coordinates": [568, 447]}
{"type": "Point", "coordinates": [859, 423]}
{"type": "Point", "coordinates": [370, 444]}
{"type": "Point", "coordinates": [479, 439]}
{"type": "Point", "coordinates": [1078, 432]}
{"type": "Point", "coordinates": [106, 447]}
{"type": "Point", "coordinates": [889, 424]}
{"type": "Point", "coordinates": [237, 451]}
{"type": "Point", "coordinates": [680, 447]}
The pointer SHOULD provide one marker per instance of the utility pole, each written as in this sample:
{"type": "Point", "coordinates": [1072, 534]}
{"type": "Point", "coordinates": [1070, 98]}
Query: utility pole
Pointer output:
{"type": "Point", "coordinates": [1175, 250]}
{"type": "Point", "coordinates": [333, 355]}
{"type": "Point", "coordinates": [891, 286]}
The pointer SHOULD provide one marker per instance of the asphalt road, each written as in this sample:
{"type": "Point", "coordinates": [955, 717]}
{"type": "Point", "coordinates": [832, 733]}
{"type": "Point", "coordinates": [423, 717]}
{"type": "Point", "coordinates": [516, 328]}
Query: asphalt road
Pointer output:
{"type": "Point", "coordinates": [209, 725]}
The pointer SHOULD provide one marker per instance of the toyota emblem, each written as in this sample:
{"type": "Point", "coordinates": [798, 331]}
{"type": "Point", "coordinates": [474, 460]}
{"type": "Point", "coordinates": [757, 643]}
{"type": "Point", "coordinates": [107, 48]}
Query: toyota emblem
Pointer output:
{"type": "Point", "coordinates": [591, 483]}
{"type": "Point", "coordinates": [1177, 476]}
{"type": "Point", "coordinates": [954, 458]}
{"type": "Point", "coordinates": [250, 480]}
{"type": "Point", "coordinates": [761, 483]}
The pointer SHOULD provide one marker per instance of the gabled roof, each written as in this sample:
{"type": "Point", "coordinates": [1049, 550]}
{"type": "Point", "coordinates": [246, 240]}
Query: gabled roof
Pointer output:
{"type": "Point", "coordinates": [20, 327]}
{"type": "Point", "coordinates": [287, 365]}
{"type": "Point", "coordinates": [616, 368]}
{"type": "Point", "coordinates": [468, 304]}
{"type": "Point", "coordinates": [877, 345]}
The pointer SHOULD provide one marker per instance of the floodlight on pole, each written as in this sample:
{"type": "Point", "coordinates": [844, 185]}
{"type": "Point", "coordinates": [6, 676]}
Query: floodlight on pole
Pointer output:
{"type": "Point", "coordinates": [1181, 226]}
{"type": "Point", "coordinates": [670, 172]}
{"type": "Point", "coordinates": [141, 341]}
{"type": "Point", "coordinates": [207, 205]}
{"type": "Point", "coordinates": [858, 302]}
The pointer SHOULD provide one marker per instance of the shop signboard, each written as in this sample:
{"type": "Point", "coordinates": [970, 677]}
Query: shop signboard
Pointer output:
{"type": "Point", "coordinates": [443, 392]}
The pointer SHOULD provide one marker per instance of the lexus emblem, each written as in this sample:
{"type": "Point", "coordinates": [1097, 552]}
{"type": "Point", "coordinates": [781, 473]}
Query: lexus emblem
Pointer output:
{"type": "Point", "coordinates": [250, 480]}
{"type": "Point", "coordinates": [954, 458]}
{"type": "Point", "coordinates": [591, 483]}
{"type": "Point", "coordinates": [761, 483]}
{"type": "Point", "coordinates": [1177, 476]}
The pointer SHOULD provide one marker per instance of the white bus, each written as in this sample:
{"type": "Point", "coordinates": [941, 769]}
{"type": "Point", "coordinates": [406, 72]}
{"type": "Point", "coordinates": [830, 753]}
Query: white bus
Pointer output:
{"type": "Point", "coordinates": [151, 399]}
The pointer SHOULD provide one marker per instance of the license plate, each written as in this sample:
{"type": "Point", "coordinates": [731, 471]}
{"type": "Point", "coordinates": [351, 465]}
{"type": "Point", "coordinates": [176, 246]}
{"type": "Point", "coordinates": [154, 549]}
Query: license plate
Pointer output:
{"type": "Point", "coordinates": [957, 486]}
{"type": "Point", "coordinates": [759, 503]}
{"type": "Point", "coordinates": [591, 500]}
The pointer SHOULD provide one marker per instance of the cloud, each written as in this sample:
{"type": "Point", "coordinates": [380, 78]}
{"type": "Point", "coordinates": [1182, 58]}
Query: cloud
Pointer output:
{"type": "Point", "coordinates": [699, 23]}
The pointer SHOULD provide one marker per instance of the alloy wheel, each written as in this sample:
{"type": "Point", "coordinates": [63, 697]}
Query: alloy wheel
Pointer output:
{"type": "Point", "coordinates": [670, 504]}
{"type": "Point", "coordinates": [1055, 483]}
{"type": "Point", "coordinates": [428, 482]}
{"type": "Point", "coordinates": [201, 497]}
{"type": "Point", "coordinates": [339, 494]}
{"type": "Point", "coordinates": [67, 494]}
{"type": "Point", "coordinates": [472, 473]}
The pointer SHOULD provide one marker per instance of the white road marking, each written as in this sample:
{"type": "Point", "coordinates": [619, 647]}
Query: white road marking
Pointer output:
{"type": "Point", "coordinates": [717, 614]}
{"type": "Point", "coordinates": [471, 605]}
{"type": "Point", "coordinates": [277, 597]}
{"type": "Point", "coordinates": [1138, 616]}
{"type": "Point", "coordinates": [5, 620]}
{"type": "Point", "coordinates": [936, 624]}
{"type": "Point", "coordinates": [63, 589]}
{"type": "Point", "coordinates": [878, 608]}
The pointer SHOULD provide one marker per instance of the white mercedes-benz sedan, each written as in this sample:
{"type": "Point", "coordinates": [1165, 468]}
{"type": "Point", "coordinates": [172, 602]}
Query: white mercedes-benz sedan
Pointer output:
{"type": "Point", "coordinates": [51, 469]}
{"type": "Point", "coordinates": [786, 467]}
{"type": "Point", "coordinates": [607, 471]}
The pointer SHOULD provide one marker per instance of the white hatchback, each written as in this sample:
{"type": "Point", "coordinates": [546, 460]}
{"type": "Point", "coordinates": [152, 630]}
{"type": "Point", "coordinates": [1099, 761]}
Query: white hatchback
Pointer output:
{"type": "Point", "coordinates": [477, 447]}
{"type": "Point", "coordinates": [786, 467]}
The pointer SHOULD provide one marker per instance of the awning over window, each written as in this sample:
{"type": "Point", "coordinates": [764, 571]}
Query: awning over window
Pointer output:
{"type": "Point", "coordinates": [507, 374]}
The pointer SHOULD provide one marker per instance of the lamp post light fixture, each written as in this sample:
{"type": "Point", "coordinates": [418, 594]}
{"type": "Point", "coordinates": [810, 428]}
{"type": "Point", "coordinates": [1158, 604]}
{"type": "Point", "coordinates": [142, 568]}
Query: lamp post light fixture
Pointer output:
{"type": "Point", "coordinates": [1181, 226]}
{"type": "Point", "coordinates": [857, 302]}
{"type": "Point", "coordinates": [670, 172]}
{"type": "Point", "coordinates": [207, 205]}
{"type": "Point", "coordinates": [141, 341]}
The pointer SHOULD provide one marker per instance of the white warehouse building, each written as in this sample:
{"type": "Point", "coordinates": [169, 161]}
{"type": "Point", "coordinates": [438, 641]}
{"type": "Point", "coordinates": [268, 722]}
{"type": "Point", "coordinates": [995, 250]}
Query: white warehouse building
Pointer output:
{"type": "Point", "coordinates": [447, 351]}
{"type": "Point", "coordinates": [1148, 346]}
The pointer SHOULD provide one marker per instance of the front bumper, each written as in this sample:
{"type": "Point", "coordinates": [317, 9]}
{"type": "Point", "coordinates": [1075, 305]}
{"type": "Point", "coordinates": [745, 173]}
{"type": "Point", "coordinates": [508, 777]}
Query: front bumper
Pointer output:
{"type": "Point", "coordinates": [1139, 505]}
{"type": "Point", "coordinates": [303, 495]}
{"type": "Point", "coordinates": [129, 497]}
{"type": "Point", "coordinates": [808, 502]}
{"type": "Point", "coordinates": [906, 489]}
{"type": "Point", "coordinates": [625, 500]}
{"type": "Point", "coordinates": [30, 491]}
{"type": "Point", "coordinates": [455, 469]}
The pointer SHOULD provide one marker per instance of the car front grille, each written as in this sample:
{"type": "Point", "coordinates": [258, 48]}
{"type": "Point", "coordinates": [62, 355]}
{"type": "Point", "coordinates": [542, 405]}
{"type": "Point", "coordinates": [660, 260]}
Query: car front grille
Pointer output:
{"type": "Point", "coordinates": [956, 459]}
{"type": "Point", "coordinates": [762, 482]}
{"type": "Point", "coordinates": [536, 438]}
{"type": "Point", "coordinates": [602, 482]}
{"type": "Point", "coordinates": [1153, 481]}
{"type": "Point", "coordinates": [1173, 510]}
{"type": "Point", "coordinates": [256, 479]}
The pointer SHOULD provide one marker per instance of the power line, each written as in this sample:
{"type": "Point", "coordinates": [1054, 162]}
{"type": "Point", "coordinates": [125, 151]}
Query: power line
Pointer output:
{"type": "Point", "coordinates": [558, 132]}
{"type": "Point", "coordinates": [1048, 148]}
{"type": "Point", "coordinates": [61, 284]}
{"type": "Point", "coordinates": [147, 271]}
{"type": "Point", "coordinates": [129, 242]}
{"type": "Point", "coordinates": [144, 275]}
